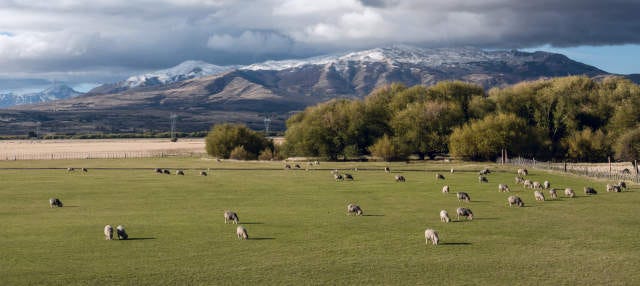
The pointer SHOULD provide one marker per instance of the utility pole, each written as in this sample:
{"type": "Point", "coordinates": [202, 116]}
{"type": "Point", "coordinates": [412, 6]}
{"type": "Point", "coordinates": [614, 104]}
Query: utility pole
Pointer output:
{"type": "Point", "coordinates": [267, 124]}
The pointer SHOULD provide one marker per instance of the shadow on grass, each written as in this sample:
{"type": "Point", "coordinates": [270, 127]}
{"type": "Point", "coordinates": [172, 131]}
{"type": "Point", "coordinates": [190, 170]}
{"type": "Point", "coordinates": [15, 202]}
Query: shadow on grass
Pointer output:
{"type": "Point", "coordinates": [485, 218]}
{"type": "Point", "coordinates": [261, 238]}
{"type": "Point", "coordinates": [252, 223]}
{"type": "Point", "coordinates": [372, 215]}
{"type": "Point", "coordinates": [455, 243]}
{"type": "Point", "coordinates": [138, 238]}
{"type": "Point", "coordinates": [71, 206]}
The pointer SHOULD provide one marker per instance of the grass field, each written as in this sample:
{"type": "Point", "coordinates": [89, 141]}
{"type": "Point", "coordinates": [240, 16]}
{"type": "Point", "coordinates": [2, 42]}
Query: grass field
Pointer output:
{"type": "Point", "coordinates": [299, 233]}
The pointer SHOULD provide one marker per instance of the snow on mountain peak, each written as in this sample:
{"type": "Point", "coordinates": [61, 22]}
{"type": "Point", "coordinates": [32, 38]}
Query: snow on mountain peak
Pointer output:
{"type": "Point", "coordinates": [185, 70]}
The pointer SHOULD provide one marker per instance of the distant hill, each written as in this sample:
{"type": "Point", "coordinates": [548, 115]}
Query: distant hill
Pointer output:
{"type": "Point", "coordinates": [55, 92]}
{"type": "Point", "coordinates": [203, 94]}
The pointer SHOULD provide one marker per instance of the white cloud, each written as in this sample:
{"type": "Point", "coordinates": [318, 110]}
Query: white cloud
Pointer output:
{"type": "Point", "coordinates": [252, 42]}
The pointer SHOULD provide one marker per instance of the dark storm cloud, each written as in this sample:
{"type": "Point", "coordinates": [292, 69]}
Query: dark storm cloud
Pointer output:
{"type": "Point", "coordinates": [82, 38]}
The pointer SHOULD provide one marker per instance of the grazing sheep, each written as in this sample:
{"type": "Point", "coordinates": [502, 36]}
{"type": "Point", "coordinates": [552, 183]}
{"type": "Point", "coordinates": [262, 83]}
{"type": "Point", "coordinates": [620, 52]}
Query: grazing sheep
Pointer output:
{"type": "Point", "coordinates": [519, 180]}
{"type": "Point", "coordinates": [348, 177]}
{"type": "Point", "coordinates": [523, 172]}
{"type": "Point", "coordinates": [108, 232]}
{"type": "Point", "coordinates": [452, 171]}
{"type": "Point", "coordinates": [465, 212]}
{"type": "Point", "coordinates": [387, 170]}
{"type": "Point", "coordinates": [444, 216]}
{"type": "Point", "coordinates": [166, 171]}
{"type": "Point", "coordinates": [55, 202]}
{"type": "Point", "coordinates": [432, 235]}
{"type": "Point", "coordinates": [484, 172]}
{"type": "Point", "coordinates": [287, 166]}
{"type": "Point", "coordinates": [553, 193]}
{"type": "Point", "coordinates": [179, 173]}
{"type": "Point", "coordinates": [122, 234]}
{"type": "Point", "coordinates": [568, 192]}
{"type": "Point", "coordinates": [626, 171]}
{"type": "Point", "coordinates": [439, 176]}
{"type": "Point", "coordinates": [515, 200]}
{"type": "Point", "coordinates": [546, 185]}
{"type": "Point", "coordinates": [85, 170]}
{"type": "Point", "coordinates": [536, 185]}
{"type": "Point", "coordinates": [203, 173]}
{"type": "Point", "coordinates": [617, 189]}
{"type": "Point", "coordinates": [241, 232]}
{"type": "Point", "coordinates": [483, 179]}
{"type": "Point", "coordinates": [158, 171]}
{"type": "Point", "coordinates": [538, 195]}
{"type": "Point", "coordinates": [70, 170]}
{"type": "Point", "coordinates": [229, 215]}
{"type": "Point", "coordinates": [338, 177]}
{"type": "Point", "coordinates": [462, 196]}
{"type": "Point", "coordinates": [503, 188]}
{"type": "Point", "coordinates": [528, 184]}
{"type": "Point", "coordinates": [316, 163]}
{"type": "Point", "coordinates": [445, 189]}
{"type": "Point", "coordinates": [297, 166]}
{"type": "Point", "coordinates": [589, 191]}
{"type": "Point", "coordinates": [354, 209]}
{"type": "Point", "coordinates": [622, 184]}
{"type": "Point", "coordinates": [609, 188]}
{"type": "Point", "coordinates": [400, 178]}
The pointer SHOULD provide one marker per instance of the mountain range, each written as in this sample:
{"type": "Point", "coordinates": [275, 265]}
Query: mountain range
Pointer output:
{"type": "Point", "coordinates": [55, 92]}
{"type": "Point", "coordinates": [202, 94]}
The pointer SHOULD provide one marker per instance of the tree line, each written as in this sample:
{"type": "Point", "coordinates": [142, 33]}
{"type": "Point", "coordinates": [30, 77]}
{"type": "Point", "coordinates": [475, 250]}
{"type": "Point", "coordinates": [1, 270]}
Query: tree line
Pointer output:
{"type": "Point", "coordinates": [576, 118]}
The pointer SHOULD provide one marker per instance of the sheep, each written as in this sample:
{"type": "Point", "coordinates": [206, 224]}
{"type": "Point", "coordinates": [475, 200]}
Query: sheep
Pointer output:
{"type": "Point", "coordinates": [445, 189]}
{"type": "Point", "coordinates": [523, 172]}
{"type": "Point", "coordinates": [55, 202]}
{"type": "Point", "coordinates": [484, 172]}
{"type": "Point", "coordinates": [158, 171]}
{"type": "Point", "coordinates": [519, 180]}
{"type": "Point", "coordinates": [387, 170]}
{"type": "Point", "coordinates": [354, 209]}
{"type": "Point", "coordinates": [179, 173]}
{"type": "Point", "coordinates": [538, 195]}
{"type": "Point", "coordinates": [528, 184]}
{"type": "Point", "coordinates": [439, 176]}
{"type": "Point", "coordinates": [108, 232]}
{"type": "Point", "coordinates": [203, 173]}
{"type": "Point", "coordinates": [609, 188]}
{"type": "Point", "coordinates": [483, 179]}
{"type": "Point", "coordinates": [546, 185]}
{"type": "Point", "coordinates": [452, 171]}
{"type": "Point", "coordinates": [85, 170]}
{"type": "Point", "coordinates": [166, 171]}
{"type": "Point", "coordinates": [589, 191]}
{"type": "Point", "coordinates": [338, 177]}
{"type": "Point", "coordinates": [536, 185]}
{"type": "Point", "coordinates": [515, 200]}
{"type": "Point", "coordinates": [430, 234]}
{"type": "Point", "coordinates": [462, 196]}
{"type": "Point", "coordinates": [444, 216]}
{"type": "Point", "coordinates": [70, 170]}
{"type": "Point", "coordinates": [568, 192]}
{"type": "Point", "coordinates": [465, 212]}
{"type": "Point", "coordinates": [400, 178]}
{"type": "Point", "coordinates": [553, 193]}
{"type": "Point", "coordinates": [229, 215]}
{"type": "Point", "coordinates": [287, 166]}
{"type": "Point", "coordinates": [622, 184]}
{"type": "Point", "coordinates": [626, 171]}
{"type": "Point", "coordinates": [348, 177]}
{"type": "Point", "coordinates": [122, 234]}
{"type": "Point", "coordinates": [617, 189]}
{"type": "Point", "coordinates": [297, 166]}
{"type": "Point", "coordinates": [241, 232]}
{"type": "Point", "coordinates": [503, 188]}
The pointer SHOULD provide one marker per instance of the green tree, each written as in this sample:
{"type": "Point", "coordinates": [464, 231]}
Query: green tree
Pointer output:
{"type": "Point", "coordinates": [627, 147]}
{"type": "Point", "coordinates": [385, 149]}
{"type": "Point", "coordinates": [223, 138]}
{"type": "Point", "coordinates": [587, 145]}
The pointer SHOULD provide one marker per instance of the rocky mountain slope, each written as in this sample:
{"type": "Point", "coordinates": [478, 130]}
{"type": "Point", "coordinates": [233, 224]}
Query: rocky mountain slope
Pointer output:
{"type": "Point", "coordinates": [55, 92]}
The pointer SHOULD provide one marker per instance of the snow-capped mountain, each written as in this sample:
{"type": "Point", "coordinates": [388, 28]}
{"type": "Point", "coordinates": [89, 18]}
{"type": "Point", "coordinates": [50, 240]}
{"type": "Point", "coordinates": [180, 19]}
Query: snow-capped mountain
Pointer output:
{"type": "Point", "coordinates": [183, 71]}
{"type": "Point", "coordinates": [55, 92]}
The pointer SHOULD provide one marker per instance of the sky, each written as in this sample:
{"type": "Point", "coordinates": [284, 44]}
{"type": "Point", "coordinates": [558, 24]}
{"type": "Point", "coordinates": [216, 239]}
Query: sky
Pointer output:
{"type": "Point", "coordinates": [91, 42]}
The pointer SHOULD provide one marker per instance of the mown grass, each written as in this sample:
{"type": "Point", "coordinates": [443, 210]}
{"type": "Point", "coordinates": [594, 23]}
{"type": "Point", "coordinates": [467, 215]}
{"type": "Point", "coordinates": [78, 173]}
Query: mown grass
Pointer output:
{"type": "Point", "coordinates": [299, 233]}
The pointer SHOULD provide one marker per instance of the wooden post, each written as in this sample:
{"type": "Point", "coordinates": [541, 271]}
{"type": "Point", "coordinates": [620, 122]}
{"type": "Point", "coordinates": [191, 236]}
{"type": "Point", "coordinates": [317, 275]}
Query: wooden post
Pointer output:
{"type": "Point", "coordinates": [565, 166]}
{"type": "Point", "coordinates": [609, 158]}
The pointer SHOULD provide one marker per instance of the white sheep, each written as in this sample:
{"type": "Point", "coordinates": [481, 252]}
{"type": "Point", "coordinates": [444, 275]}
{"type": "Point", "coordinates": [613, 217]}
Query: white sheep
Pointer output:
{"type": "Point", "coordinates": [462, 196]}
{"type": "Point", "coordinates": [538, 195]}
{"type": "Point", "coordinates": [568, 192]}
{"type": "Point", "coordinates": [465, 212]}
{"type": "Point", "coordinates": [203, 173]}
{"type": "Point", "coordinates": [445, 189]}
{"type": "Point", "coordinates": [387, 170]}
{"type": "Point", "coordinates": [430, 234]}
{"type": "Point", "coordinates": [444, 216]}
{"type": "Point", "coordinates": [546, 185]}
{"type": "Point", "coordinates": [229, 215]}
{"type": "Point", "coordinates": [553, 193]}
{"type": "Point", "coordinates": [515, 200]}
{"type": "Point", "coordinates": [180, 172]}
{"type": "Point", "coordinates": [622, 184]}
{"type": "Point", "coordinates": [519, 180]}
{"type": "Point", "coordinates": [241, 232]}
{"type": "Point", "coordinates": [354, 209]}
{"type": "Point", "coordinates": [452, 171]}
{"type": "Point", "coordinates": [503, 188]}
{"type": "Point", "coordinates": [122, 234]}
{"type": "Point", "coordinates": [523, 172]}
{"type": "Point", "coordinates": [400, 178]}
{"type": "Point", "coordinates": [108, 232]}
{"type": "Point", "coordinates": [338, 177]}
{"type": "Point", "coordinates": [528, 184]}
{"type": "Point", "coordinates": [483, 179]}
{"type": "Point", "coordinates": [348, 177]}
{"type": "Point", "coordinates": [536, 185]}
{"type": "Point", "coordinates": [439, 176]}
{"type": "Point", "coordinates": [55, 202]}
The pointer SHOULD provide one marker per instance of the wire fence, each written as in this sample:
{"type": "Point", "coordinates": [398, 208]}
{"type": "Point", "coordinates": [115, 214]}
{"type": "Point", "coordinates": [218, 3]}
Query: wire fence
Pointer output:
{"type": "Point", "coordinates": [95, 155]}
{"type": "Point", "coordinates": [613, 172]}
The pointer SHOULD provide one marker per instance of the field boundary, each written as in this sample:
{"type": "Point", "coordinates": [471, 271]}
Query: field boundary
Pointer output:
{"type": "Point", "coordinates": [613, 172]}
{"type": "Point", "coordinates": [95, 155]}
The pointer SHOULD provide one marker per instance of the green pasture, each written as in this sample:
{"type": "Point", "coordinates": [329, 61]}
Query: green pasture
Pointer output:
{"type": "Point", "coordinates": [298, 228]}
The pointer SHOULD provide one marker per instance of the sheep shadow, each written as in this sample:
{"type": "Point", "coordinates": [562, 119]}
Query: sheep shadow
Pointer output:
{"type": "Point", "coordinates": [138, 238]}
{"type": "Point", "coordinates": [486, 218]}
{"type": "Point", "coordinates": [372, 215]}
{"type": "Point", "coordinates": [455, 243]}
{"type": "Point", "coordinates": [252, 223]}
{"type": "Point", "coordinates": [262, 238]}
{"type": "Point", "coordinates": [71, 206]}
